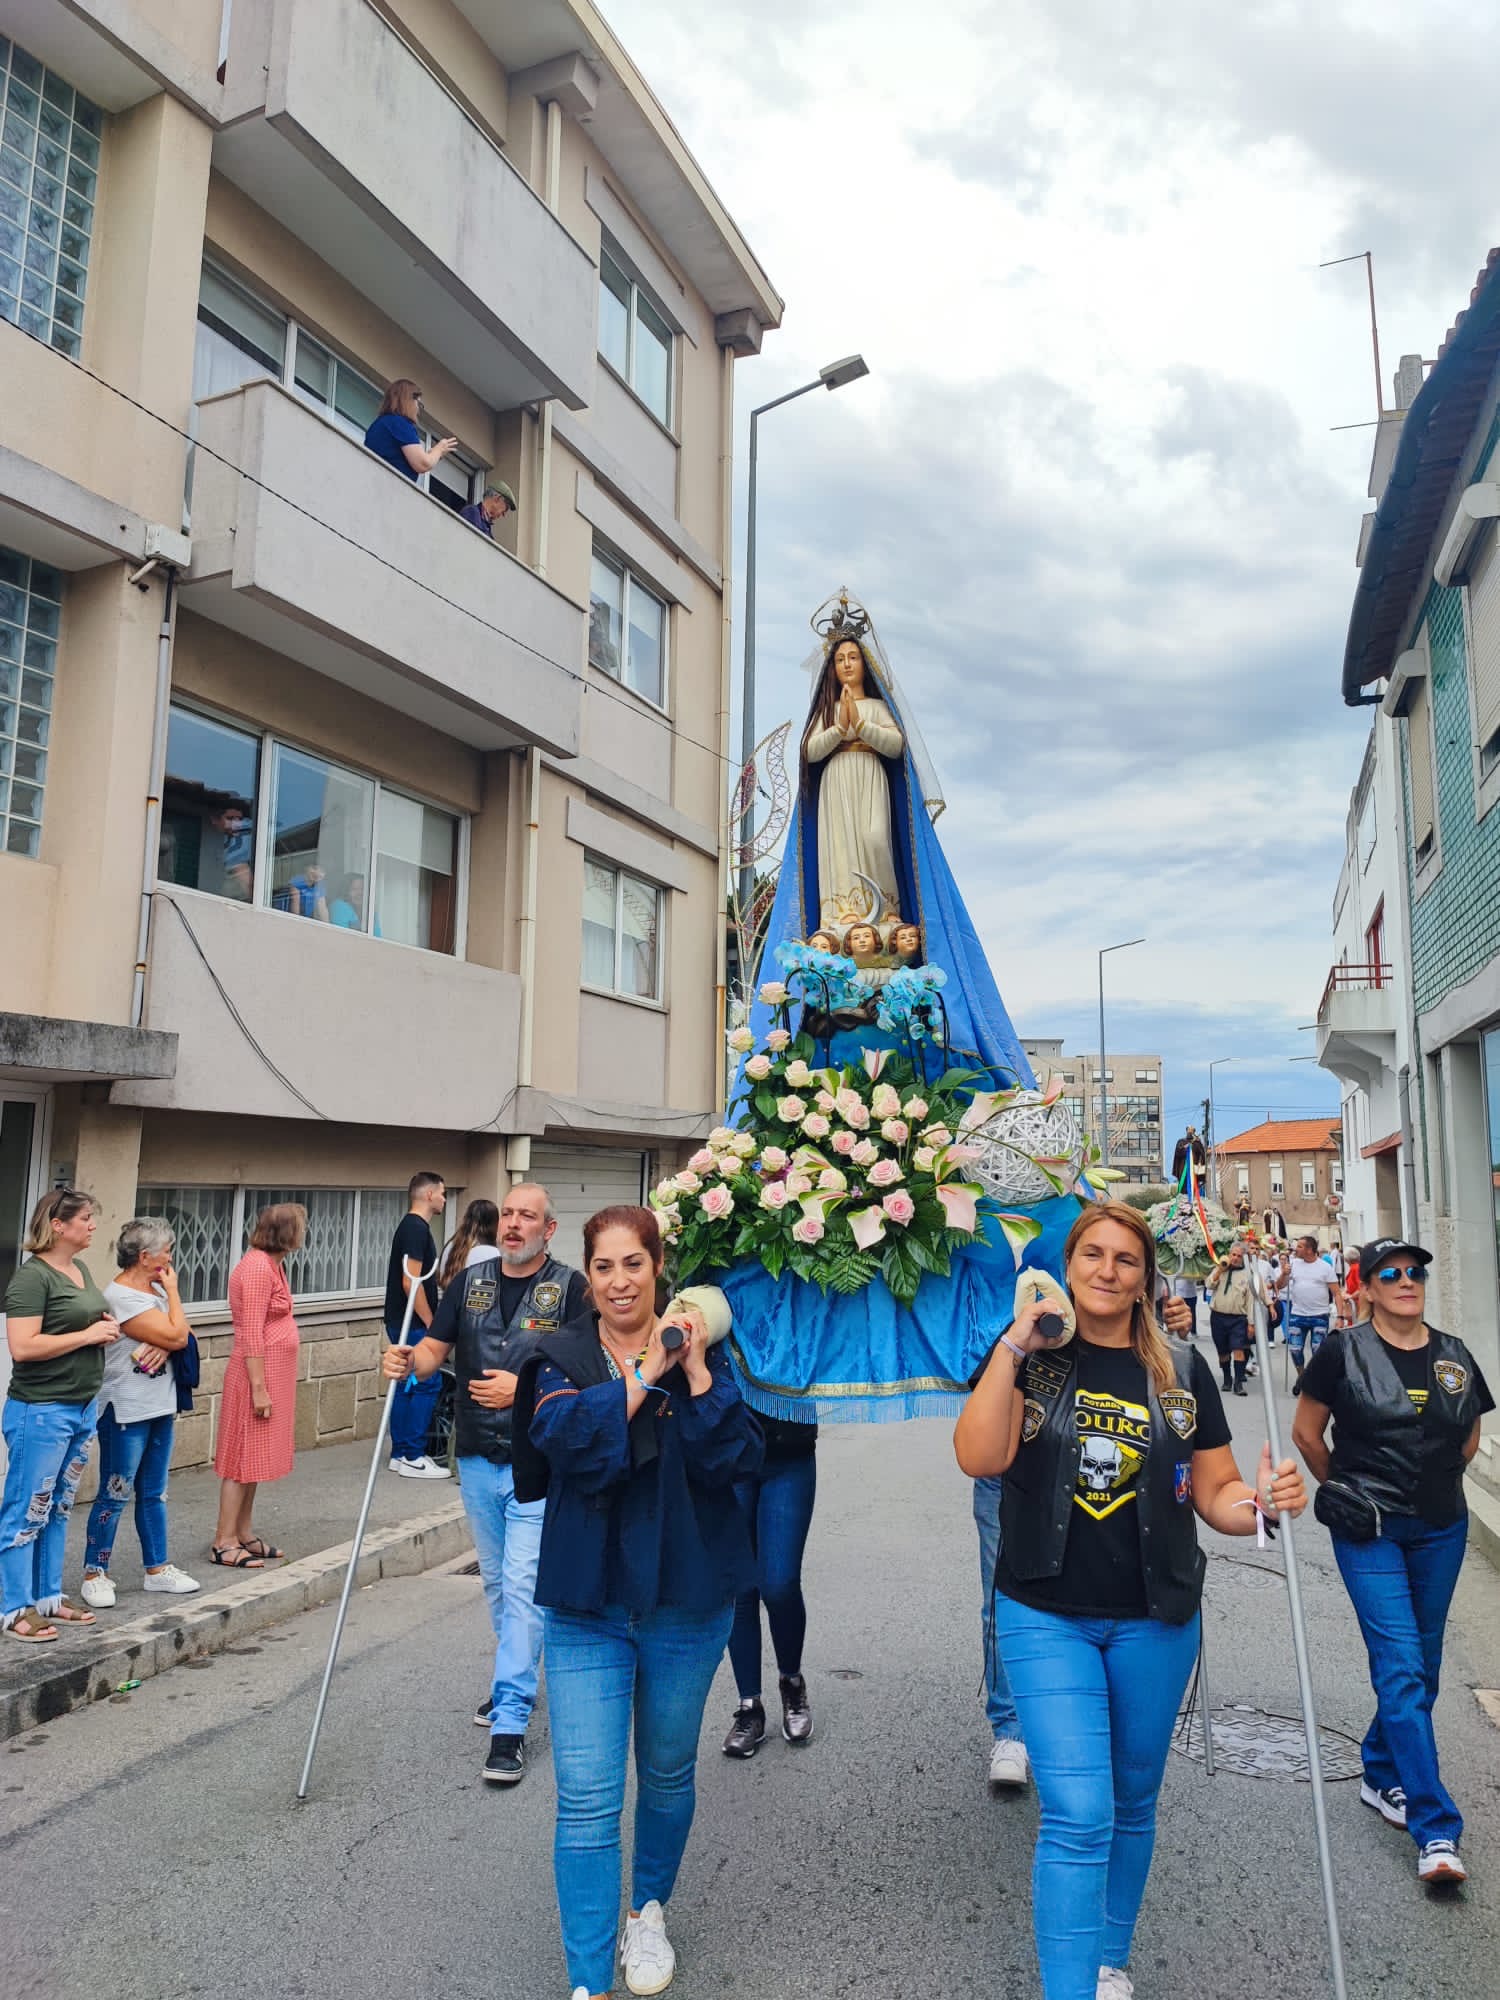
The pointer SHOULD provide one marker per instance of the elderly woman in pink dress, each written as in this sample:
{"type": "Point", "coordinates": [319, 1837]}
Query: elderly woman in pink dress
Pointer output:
{"type": "Point", "coordinates": [257, 1416]}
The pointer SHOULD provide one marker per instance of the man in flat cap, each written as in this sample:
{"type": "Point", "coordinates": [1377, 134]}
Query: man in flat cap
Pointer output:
{"type": "Point", "coordinates": [482, 514]}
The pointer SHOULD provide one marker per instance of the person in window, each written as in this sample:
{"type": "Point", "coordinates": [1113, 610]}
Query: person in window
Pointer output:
{"type": "Point", "coordinates": [482, 514]}
{"type": "Point", "coordinates": [1405, 1400]}
{"type": "Point", "coordinates": [257, 1415]}
{"type": "Point", "coordinates": [394, 435]}
{"type": "Point", "coordinates": [347, 910]}
{"type": "Point", "coordinates": [307, 894]}
{"type": "Point", "coordinates": [57, 1325]}
{"type": "Point", "coordinates": [1108, 1444]}
{"type": "Point", "coordinates": [637, 1448]}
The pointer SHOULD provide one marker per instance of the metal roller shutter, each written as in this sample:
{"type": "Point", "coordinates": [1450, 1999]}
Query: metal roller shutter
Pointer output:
{"type": "Point", "coordinates": [581, 1180]}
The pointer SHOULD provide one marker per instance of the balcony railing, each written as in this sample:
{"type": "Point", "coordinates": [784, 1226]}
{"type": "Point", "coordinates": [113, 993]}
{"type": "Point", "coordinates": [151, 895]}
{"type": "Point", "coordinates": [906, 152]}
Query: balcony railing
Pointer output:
{"type": "Point", "coordinates": [1368, 978]}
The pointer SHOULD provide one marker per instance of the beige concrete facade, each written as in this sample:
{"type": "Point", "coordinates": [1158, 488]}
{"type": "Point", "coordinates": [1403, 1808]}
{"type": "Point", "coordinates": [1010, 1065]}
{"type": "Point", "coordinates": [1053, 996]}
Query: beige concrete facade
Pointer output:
{"type": "Point", "coordinates": [378, 189]}
{"type": "Point", "coordinates": [1134, 1087]}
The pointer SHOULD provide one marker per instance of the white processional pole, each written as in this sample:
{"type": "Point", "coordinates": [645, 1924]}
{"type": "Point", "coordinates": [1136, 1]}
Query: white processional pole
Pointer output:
{"type": "Point", "coordinates": [1304, 1680]}
{"type": "Point", "coordinates": [392, 1390]}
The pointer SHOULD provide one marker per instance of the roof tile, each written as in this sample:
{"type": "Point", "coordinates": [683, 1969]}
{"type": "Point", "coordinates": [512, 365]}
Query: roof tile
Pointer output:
{"type": "Point", "coordinates": [1285, 1135]}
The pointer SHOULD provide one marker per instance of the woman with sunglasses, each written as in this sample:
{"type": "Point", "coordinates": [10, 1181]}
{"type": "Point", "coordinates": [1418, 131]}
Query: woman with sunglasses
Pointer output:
{"type": "Point", "coordinates": [1406, 1400]}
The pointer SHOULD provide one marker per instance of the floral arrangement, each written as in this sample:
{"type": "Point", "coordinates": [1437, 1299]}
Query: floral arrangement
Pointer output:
{"type": "Point", "coordinates": [1190, 1237]}
{"type": "Point", "coordinates": [839, 1174]}
{"type": "Point", "coordinates": [908, 1003]}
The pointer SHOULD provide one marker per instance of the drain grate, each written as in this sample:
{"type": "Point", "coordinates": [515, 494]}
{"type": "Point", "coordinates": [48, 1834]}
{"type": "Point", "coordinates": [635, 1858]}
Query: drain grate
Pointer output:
{"type": "Point", "coordinates": [1257, 1744]}
{"type": "Point", "coordinates": [470, 1569]}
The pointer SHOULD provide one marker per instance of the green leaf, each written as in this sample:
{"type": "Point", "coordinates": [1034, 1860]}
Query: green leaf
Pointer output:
{"type": "Point", "coordinates": [765, 1103]}
{"type": "Point", "coordinates": [901, 1271]}
{"type": "Point", "coordinates": [773, 1256]}
{"type": "Point", "coordinates": [849, 1269]}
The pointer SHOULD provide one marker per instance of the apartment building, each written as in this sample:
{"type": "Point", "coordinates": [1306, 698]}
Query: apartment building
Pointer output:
{"type": "Point", "coordinates": [1291, 1166]}
{"type": "Point", "coordinates": [1132, 1086]}
{"type": "Point", "coordinates": [339, 839]}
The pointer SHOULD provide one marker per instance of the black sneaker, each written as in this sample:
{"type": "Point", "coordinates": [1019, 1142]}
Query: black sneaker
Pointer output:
{"type": "Point", "coordinates": [1390, 1803]}
{"type": "Point", "coordinates": [505, 1764]}
{"type": "Point", "coordinates": [796, 1716]}
{"type": "Point", "coordinates": [482, 1714]}
{"type": "Point", "coordinates": [747, 1732]}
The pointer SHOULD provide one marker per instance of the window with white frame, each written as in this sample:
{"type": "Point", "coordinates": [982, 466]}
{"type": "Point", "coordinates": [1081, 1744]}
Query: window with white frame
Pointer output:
{"type": "Point", "coordinates": [1336, 1177]}
{"type": "Point", "coordinates": [348, 1247]}
{"type": "Point", "coordinates": [1147, 1076]}
{"type": "Point", "coordinates": [1278, 1181]}
{"type": "Point", "coordinates": [1104, 1076]}
{"type": "Point", "coordinates": [49, 181]}
{"type": "Point", "coordinates": [621, 931]}
{"type": "Point", "coordinates": [634, 337]}
{"type": "Point", "coordinates": [1309, 1180]}
{"type": "Point", "coordinates": [627, 627]}
{"type": "Point", "coordinates": [1242, 1179]}
{"type": "Point", "coordinates": [256, 819]}
{"type": "Point", "coordinates": [30, 620]}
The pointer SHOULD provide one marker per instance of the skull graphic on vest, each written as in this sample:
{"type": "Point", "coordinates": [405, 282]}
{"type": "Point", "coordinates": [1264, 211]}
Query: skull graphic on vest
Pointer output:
{"type": "Point", "coordinates": [1112, 1436]}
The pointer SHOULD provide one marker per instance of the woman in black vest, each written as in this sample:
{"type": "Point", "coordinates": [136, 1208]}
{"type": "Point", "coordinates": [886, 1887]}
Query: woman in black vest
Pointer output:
{"type": "Point", "coordinates": [1405, 1401]}
{"type": "Point", "coordinates": [1107, 1445]}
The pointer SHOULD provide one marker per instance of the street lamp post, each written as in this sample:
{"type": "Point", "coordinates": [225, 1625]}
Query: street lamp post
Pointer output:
{"type": "Point", "coordinates": [1213, 1153]}
{"type": "Point", "coordinates": [834, 376]}
{"type": "Point", "coordinates": [1103, 1058]}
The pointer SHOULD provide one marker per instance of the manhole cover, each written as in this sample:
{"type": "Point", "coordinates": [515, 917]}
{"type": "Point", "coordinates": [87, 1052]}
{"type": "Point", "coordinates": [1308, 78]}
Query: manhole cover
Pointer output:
{"type": "Point", "coordinates": [1255, 1744]}
{"type": "Point", "coordinates": [845, 1674]}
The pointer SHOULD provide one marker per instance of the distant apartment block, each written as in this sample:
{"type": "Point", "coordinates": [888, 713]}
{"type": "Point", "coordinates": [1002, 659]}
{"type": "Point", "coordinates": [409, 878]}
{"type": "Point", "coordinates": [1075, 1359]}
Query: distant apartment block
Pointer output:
{"type": "Point", "coordinates": [1132, 1087]}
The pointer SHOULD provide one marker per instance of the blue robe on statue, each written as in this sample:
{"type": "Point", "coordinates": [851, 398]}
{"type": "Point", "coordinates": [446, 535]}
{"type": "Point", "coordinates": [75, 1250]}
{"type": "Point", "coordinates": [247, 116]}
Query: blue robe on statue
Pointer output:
{"type": "Point", "coordinates": [799, 1353]}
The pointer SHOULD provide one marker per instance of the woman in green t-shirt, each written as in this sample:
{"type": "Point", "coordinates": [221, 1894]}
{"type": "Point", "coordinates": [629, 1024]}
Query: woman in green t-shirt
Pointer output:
{"type": "Point", "coordinates": [57, 1326]}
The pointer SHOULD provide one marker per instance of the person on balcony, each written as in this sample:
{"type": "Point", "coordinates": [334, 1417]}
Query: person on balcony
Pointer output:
{"type": "Point", "coordinates": [497, 503]}
{"type": "Point", "coordinates": [394, 435]}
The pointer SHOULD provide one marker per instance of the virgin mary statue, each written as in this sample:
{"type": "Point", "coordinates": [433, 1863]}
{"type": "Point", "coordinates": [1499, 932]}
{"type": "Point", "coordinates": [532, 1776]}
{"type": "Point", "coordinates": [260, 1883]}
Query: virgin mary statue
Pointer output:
{"type": "Point", "coordinates": [861, 849]}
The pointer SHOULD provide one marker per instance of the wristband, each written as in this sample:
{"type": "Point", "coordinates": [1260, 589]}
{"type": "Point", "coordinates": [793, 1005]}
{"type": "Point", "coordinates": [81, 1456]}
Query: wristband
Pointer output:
{"type": "Point", "coordinates": [1019, 1352]}
{"type": "Point", "coordinates": [636, 1372]}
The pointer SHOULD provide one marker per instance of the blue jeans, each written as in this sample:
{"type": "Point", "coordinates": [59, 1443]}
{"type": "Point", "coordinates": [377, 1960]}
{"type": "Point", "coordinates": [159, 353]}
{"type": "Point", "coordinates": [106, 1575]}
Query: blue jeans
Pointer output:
{"type": "Point", "coordinates": [779, 1504]}
{"type": "Point", "coordinates": [1304, 1330]}
{"type": "Point", "coordinates": [508, 1539]}
{"type": "Point", "coordinates": [999, 1703]}
{"type": "Point", "coordinates": [49, 1448]}
{"type": "Point", "coordinates": [412, 1405]}
{"type": "Point", "coordinates": [1401, 1586]}
{"type": "Point", "coordinates": [1098, 1699]}
{"type": "Point", "coordinates": [133, 1458]}
{"type": "Point", "coordinates": [603, 1671]}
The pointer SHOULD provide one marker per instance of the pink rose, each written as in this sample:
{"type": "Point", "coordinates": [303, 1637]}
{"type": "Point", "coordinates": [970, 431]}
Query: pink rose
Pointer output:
{"type": "Point", "coordinates": [759, 1067]}
{"type": "Point", "coordinates": [858, 1116]}
{"type": "Point", "coordinates": [884, 1173]}
{"type": "Point", "coordinates": [702, 1161]}
{"type": "Point", "coordinates": [895, 1131]}
{"type": "Point", "coordinates": [687, 1182]}
{"type": "Point", "coordinates": [924, 1158]}
{"type": "Point", "coordinates": [798, 1075]}
{"type": "Point", "coordinates": [832, 1181]}
{"type": "Point", "coordinates": [815, 1125]}
{"type": "Point", "coordinates": [798, 1183]}
{"type": "Point", "coordinates": [825, 1099]}
{"type": "Point", "coordinates": [727, 1165]}
{"type": "Point", "coordinates": [773, 993]}
{"type": "Point", "coordinates": [843, 1142]}
{"type": "Point", "coordinates": [865, 1152]}
{"type": "Point", "coordinates": [716, 1203]}
{"type": "Point", "coordinates": [742, 1144]}
{"type": "Point", "coordinates": [899, 1207]}
{"type": "Point", "coordinates": [915, 1108]}
{"type": "Point", "coordinates": [778, 1039]}
{"type": "Point", "coordinates": [773, 1159]}
{"type": "Point", "coordinates": [938, 1135]}
{"type": "Point", "coordinates": [848, 1100]}
{"type": "Point", "coordinates": [885, 1102]}
{"type": "Point", "coordinates": [808, 1230]}
{"type": "Point", "coordinates": [773, 1195]}
{"type": "Point", "coordinates": [789, 1109]}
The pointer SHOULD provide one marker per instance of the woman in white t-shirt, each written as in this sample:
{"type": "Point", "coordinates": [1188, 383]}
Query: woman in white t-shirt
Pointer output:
{"type": "Point", "coordinates": [138, 1411]}
{"type": "Point", "coordinates": [475, 1241]}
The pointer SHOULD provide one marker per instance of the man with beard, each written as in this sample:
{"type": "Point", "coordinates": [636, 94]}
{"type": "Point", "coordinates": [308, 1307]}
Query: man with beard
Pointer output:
{"type": "Point", "coordinates": [493, 1313]}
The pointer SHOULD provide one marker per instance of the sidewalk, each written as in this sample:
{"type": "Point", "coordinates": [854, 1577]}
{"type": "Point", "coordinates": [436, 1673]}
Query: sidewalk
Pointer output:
{"type": "Point", "coordinates": [415, 1524]}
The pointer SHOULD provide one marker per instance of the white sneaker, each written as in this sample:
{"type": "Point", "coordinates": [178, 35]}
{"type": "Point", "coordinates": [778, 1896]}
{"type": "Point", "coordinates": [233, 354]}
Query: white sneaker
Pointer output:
{"type": "Point", "coordinates": [170, 1578]}
{"type": "Point", "coordinates": [1010, 1767]}
{"type": "Point", "coordinates": [419, 1468]}
{"type": "Point", "coordinates": [645, 1953]}
{"type": "Point", "coordinates": [98, 1593]}
{"type": "Point", "coordinates": [1438, 1862]}
{"type": "Point", "coordinates": [581, 1993]}
{"type": "Point", "coordinates": [1114, 1984]}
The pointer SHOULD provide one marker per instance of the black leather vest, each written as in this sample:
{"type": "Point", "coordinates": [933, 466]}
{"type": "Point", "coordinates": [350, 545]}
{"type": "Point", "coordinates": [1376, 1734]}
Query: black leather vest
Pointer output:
{"type": "Point", "coordinates": [487, 1339]}
{"type": "Point", "coordinates": [1406, 1461]}
{"type": "Point", "coordinates": [1037, 1510]}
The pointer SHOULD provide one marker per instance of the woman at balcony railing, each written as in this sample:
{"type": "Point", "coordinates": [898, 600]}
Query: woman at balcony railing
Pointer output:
{"type": "Point", "coordinates": [394, 435]}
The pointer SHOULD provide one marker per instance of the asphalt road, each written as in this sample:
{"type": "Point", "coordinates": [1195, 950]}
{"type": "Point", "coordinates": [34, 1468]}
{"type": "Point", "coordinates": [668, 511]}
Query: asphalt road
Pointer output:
{"type": "Point", "coordinates": [152, 1848]}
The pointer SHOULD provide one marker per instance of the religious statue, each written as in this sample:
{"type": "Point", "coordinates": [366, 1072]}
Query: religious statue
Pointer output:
{"type": "Point", "coordinates": [851, 732]}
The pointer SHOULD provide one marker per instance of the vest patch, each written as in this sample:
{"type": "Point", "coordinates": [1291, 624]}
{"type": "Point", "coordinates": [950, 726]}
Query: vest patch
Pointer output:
{"type": "Point", "coordinates": [1451, 1375]}
{"type": "Point", "coordinates": [1180, 1411]}
{"type": "Point", "coordinates": [1045, 1378]}
{"type": "Point", "coordinates": [1113, 1438]}
{"type": "Point", "coordinates": [1183, 1481]}
{"type": "Point", "coordinates": [546, 1299]}
{"type": "Point", "coordinates": [480, 1296]}
{"type": "Point", "coordinates": [1033, 1416]}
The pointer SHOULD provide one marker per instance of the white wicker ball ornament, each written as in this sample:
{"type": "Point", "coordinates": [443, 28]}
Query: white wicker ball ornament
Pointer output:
{"type": "Point", "coordinates": [1011, 1143]}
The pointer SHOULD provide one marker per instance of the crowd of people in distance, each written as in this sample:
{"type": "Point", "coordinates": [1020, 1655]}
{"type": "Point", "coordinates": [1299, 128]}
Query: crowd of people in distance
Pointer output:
{"type": "Point", "coordinates": [633, 1516]}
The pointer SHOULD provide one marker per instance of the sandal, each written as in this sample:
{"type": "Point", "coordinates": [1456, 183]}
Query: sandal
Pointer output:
{"type": "Point", "coordinates": [31, 1628]}
{"type": "Point", "coordinates": [72, 1614]}
{"type": "Point", "coordinates": [234, 1555]}
{"type": "Point", "coordinates": [268, 1551]}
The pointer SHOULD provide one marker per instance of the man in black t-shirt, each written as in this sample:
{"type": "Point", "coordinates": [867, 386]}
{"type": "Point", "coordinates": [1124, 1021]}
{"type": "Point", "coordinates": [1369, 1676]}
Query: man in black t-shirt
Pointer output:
{"type": "Point", "coordinates": [414, 1252]}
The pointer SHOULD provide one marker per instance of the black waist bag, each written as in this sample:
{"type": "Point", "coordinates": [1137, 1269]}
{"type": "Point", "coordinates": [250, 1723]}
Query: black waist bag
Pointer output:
{"type": "Point", "coordinates": [1345, 1512]}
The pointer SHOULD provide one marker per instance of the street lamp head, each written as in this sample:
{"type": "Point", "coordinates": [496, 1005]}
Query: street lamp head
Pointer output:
{"type": "Point", "coordinates": [839, 373]}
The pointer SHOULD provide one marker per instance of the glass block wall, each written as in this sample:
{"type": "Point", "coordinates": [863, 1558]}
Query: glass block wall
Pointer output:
{"type": "Point", "coordinates": [30, 616]}
{"type": "Point", "coordinates": [49, 177]}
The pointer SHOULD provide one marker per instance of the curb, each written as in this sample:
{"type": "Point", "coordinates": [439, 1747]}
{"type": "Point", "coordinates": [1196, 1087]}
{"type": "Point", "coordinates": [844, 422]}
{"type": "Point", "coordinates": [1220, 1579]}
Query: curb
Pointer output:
{"type": "Point", "coordinates": [209, 1622]}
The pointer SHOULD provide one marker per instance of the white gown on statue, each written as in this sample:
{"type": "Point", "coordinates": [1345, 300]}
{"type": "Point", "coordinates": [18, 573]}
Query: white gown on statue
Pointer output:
{"type": "Point", "coordinates": [854, 816]}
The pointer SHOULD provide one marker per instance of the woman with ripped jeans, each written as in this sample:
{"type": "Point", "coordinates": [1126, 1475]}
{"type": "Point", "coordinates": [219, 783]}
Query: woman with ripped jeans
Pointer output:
{"type": "Point", "coordinates": [57, 1327]}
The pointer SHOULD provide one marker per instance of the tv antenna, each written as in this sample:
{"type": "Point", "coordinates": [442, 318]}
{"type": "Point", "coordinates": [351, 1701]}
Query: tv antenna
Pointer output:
{"type": "Point", "coordinates": [1365, 257]}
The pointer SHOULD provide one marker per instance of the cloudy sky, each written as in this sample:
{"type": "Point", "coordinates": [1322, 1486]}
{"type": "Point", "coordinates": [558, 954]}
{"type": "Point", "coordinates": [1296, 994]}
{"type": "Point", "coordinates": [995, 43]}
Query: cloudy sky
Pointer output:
{"type": "Point", "coordinates": [1092, 491]}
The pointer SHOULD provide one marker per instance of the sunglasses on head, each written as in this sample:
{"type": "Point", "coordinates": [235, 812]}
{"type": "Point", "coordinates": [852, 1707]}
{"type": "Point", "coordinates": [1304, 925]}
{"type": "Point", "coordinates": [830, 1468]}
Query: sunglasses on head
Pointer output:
{"type": "Point", "coordinates": [1390, 1274]}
